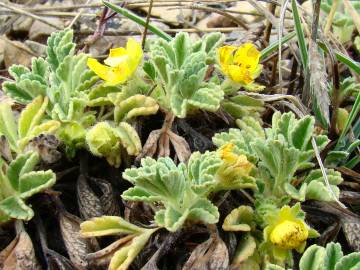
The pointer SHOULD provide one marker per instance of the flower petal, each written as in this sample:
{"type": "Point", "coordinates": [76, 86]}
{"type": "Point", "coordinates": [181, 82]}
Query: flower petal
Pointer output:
{"type": "Point", "coordinates": [112, 75]}
{"type": "Point", "coordinates": [135, 54]}
{"type": "Point", "coordinates": [226, 55]}
{"type": "Point", "coordinates": [239, 74]}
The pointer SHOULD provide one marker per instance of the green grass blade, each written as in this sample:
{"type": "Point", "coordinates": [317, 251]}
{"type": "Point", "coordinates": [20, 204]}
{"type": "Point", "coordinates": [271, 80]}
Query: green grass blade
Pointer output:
{"type": "Point", "coordinates": [355, 66]}
{"type": "Point", "coordinates": [350, 63]}
{"type": "Point", "coordinates": [275, 45]}
{"type": "Point", "coordinates": [352, 162]}
{"type": "Point", "coordinates": [300, 34]}
{"type": "Point", "coordinates": [155, 30]}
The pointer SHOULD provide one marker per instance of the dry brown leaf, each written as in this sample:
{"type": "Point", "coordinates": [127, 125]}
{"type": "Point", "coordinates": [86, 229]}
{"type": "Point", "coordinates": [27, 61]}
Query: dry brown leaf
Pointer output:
{"type": "Point", "coordinates": [211, 255]}
{"type": "Point", "coordinates": [76, 246]}
{"type": "Point", "coordinates": [89, 203]}
{"type": "Point", "coordinates": [107, 199]}
{"type": "Point", "coordinates": [150, 147]}
{"type": "Point", "coordinates": [164, 145]}
{"type": "Point", "coordinates": [182, 148]}
{"type": "Point", "coordinates": [19, 254]}
{"type": "Point", "coordinates": [103, 256]}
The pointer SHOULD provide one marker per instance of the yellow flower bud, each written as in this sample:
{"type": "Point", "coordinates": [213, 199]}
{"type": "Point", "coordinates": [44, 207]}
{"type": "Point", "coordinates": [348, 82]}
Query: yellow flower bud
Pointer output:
{"type": "Point", "coordinates": [233, 163]}
{"type": "Point", "coordinates": [289, 234]}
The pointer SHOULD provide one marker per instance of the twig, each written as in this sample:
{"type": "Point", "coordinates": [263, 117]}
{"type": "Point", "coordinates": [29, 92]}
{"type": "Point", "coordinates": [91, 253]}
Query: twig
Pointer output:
{"type": "Point", "coordinates": [238, 21]}
{"type": "Point", "coordinates": [26, 13]}
{"type": "Point", "coordinates": [137, 32]}
{"type": "Point", "coordinates": [147, 24]}
{"type": "Point", "coordinates": [280, 32]}
{"type": "Point", "coordinates": [269, 25]}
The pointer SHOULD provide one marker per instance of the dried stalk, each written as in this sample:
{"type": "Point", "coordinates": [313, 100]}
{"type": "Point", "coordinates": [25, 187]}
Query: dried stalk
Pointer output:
{"type": "Point", "coordinates": [29, 14]}
{"type": "Point", "coordinates": [330, 18]}
{"type": "Point", "coordinates": [147, 24]}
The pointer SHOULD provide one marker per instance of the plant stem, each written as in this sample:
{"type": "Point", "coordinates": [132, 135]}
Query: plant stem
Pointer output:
{"type": "Point", "coordinates": [331, 16]}
{"type": "Point", "coordinates": [147, 24]}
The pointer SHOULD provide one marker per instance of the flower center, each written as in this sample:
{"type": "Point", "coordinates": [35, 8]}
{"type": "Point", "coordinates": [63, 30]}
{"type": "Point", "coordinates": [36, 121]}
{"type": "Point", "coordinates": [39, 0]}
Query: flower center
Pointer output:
{"type": "Point", "coordinates": [289, 234]}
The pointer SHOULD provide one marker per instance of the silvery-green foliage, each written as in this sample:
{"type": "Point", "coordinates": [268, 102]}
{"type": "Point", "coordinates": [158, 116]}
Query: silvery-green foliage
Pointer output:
{"type": "Point", "coordinates": [179, 68]}
{"type": "Point", "coordinates": [31, 123]}
{"type": "Point", "coordinates": [123, 251]}
{"type": "Point", "coordinates": [250, 130]}
{"type": "Point", "coordinates": [61, 76]}
{"type": "Point", "coordinates": [176, 188]}
{"type": "Point", "coordinates": [329, 258]}
{"type": "Point", "coordinates": [105, 140]}
{"type": "Point", "coordinates": [19, 181]}
{"type": "Point", "coordinates": [242, 105]}
{"type": "Point", "coordinates": [281, 151]}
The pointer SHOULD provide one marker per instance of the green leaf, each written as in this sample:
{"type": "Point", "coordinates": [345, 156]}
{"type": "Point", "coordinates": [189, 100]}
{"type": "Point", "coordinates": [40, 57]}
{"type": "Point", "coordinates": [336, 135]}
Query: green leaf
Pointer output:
{"type": "Point", "coordinates": [155, 30]}
{"type": "Point", "coordinates": [205, 211]}
{"type": "Point", "coordinates": [16, 71]}
{"type": "Point", "coordinates": [59, 46]}
{"type": "Point", "coordinates": [14, 207]}
{"type": "Point", "coordinates": [349, 262]}
{"type": "Point", "coordinates": [123, 258]}
{"type": "Point", "coordinates": [282, 162]}
{"type": "Point", "coordinates": [243, 105]}
{"type": "Point", "coordinates": [273, 267]}
{"type": "Point", "coordinates": [8, 125]}
{"type": "Point", "coordinates": [312, 258]}
{"type": "Point", "coordinates": [240, 219]}
{"type": "Point", "coordinates": [300, 34]}
{"type": "Point", "coordinates": [22, 164]}
{"type": "Point", "coordinates": [275, 45]}
{"type": "Point", "coordinates": [129, 138]}
{"type": "Point", "coordinates": [318, 191]}
{"type": "Point", "coordinates": [35, 182]}
{"type": "Point", "coordinates": [181, 71]}
{"type": "Point", "coordinates": [333, 255]}
{"type": "Point", "coordinates": [32, 115]}
{"type": "Point", "coordinates": [134, 106]}
{"type": "Point", "coordinates": [164, 182]}
{"type": "Point", "coordinates": [14, 91]}
{"type": "Point", "coordinates": [108, 225]}
{"type": "Point", "coordinates": [245, 250]}
{"type": "Point", "coordinates": [103, 141]}
{"type": "Point", "coordinates": [202, 169]}
{"type": "Point", "coordinates": [40, 67]}
{"type": "Point", "coordinates": [302, 132]}
{"type": "Point", "coordinates": [99, 95]}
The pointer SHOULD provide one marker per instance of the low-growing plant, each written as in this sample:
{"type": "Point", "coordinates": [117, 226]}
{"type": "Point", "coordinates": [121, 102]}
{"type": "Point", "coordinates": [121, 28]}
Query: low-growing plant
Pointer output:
{"type": "Point", "coordinates": [121, 253]}
{"type": "Point", "coordinates": [18, 181]}
{"type": "Point", "coordinates": [31, 123]}
{"type": "Point", "coordinates": [330, 257]}
{"type": "Point", "coordinates": [281, 152]}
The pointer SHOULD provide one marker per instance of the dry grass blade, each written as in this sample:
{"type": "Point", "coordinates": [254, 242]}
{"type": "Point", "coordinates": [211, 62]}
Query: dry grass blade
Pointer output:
{"type": "Point", "coordinates": [29, 14]}
{"type": "Point", "coordinates": [353, 13]}
{"type": "Point", "coordinates": [319, 81]}
{"type": "Point", "coordinates": [280, 32]}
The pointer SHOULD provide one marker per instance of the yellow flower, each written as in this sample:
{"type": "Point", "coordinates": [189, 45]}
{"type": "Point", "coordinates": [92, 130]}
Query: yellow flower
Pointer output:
{"type": "Point", "coordinates": [287, 230]}
{"type": "Point", "coordinates": [240, 64]}
{"type": "Point", "coordinates": [120, 65]}
{"type": "Point", "coordinates": [234, 173]}
{"type": "Point", "coordinates": [233, 162]}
